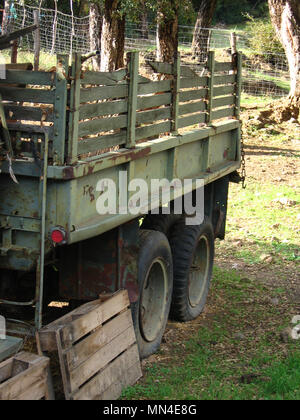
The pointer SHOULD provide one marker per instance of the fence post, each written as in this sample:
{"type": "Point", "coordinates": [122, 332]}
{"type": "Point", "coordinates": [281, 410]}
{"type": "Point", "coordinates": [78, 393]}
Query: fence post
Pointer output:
{"type": "Point", "coordinates": [37, 40]}
{"type": "Point", "coordinates": [74, 109]}
{"type": "Point", "coordinates": [211, 69]}
{"type": "Point", "coordinates": [175, 94]}
{"type": "Point", "coordinates": [60, 106]}
{"type": "Point", "coordinates": [133, 67]}
{"type": "Point", "coordinates": [233, 43]}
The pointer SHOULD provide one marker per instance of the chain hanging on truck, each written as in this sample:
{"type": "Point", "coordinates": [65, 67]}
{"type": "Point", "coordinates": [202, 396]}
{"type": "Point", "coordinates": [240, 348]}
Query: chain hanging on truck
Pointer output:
{"type": "Point", "coordinates": [243, 160]}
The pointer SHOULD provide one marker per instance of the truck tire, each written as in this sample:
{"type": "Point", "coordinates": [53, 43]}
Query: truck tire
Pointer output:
{"type": "Point", "coordinates": [193, 256]}
{"type": "Point", "coordinates": [161, 222]}
{"type": "Point", "coordinates": [155, 275]}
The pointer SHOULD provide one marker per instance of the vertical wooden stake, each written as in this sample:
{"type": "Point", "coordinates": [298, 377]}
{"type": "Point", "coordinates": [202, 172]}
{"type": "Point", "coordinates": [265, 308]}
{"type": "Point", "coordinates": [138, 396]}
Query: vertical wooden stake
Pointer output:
{"type": "Point", "coordinates": [14, 52]}
{"type": "Point", "coordinates": [133, 60]}
{"type": "Point", "coordinates": [211, 69]}
{"type": "Point", "coordinates": [238, 84]}
{"type": "Point", "coordinates": [176, 91]}
{"type": "Point", "coordinates": [233, 43]}
{"type": "Point", "coordinates": [37, 41]}
{"type": "Point", "coordinates": [60, 113]}
{"type": "Point", "coordinates": [74, 109]}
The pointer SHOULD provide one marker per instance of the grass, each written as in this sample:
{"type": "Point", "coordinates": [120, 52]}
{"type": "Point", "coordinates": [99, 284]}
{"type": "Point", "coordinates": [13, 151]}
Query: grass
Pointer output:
{"type": "Point", "coordinates": [218, 365]}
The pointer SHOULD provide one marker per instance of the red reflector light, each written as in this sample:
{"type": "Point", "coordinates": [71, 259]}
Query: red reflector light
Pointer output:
{"type": "Point", "coordinates": [58, 236]}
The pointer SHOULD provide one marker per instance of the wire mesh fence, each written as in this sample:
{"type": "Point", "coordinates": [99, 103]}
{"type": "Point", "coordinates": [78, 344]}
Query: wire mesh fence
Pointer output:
{"type": "Point", "coordinates": [263, 74]}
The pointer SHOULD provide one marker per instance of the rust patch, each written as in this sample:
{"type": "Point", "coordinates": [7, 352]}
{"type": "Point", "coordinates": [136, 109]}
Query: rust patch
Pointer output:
{"type": "Point", "coordinates": [68, 173]}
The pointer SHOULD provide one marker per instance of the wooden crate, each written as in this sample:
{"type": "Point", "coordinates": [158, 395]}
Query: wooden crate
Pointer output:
{"type": "Point", "coordinates": [97, 349]}
{"type": "Point", "coordinates": [24, 377]}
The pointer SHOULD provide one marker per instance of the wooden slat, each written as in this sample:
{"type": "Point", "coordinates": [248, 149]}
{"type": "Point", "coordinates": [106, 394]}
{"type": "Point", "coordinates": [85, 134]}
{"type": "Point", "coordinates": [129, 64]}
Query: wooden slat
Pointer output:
{"type": "Point", "coordinates": [153, 130]}
{"type": "Point", "coordinates": [192, 120]}
{"type": "Point", "coordinates": [115, 390]}
{"type": "Point", "coordinates": [28, 113]}
{"type": "Point", "coordinates": [223, 101]}
{"type": "Point", "coordinates": [155, 100]}
{"type": "Point", "coordinates": [191, 108]}
{"type": "Point", "coordinates": [101, 78]}
{"type": "Point", "coordinates": [224, 90]}
{"type": "Point", "coordinates": [222, 113]}
{"type": "Point", "coordinates": [102, 142]}
{"type": "Point", "coordinates": [100, 359]}
{"type": "Point", "coordinates": [224, 80]}
{"type": "Point", "coordinates": [125, 371]}
{"type": "Point", "coordinates": [37, 391]}
{"type": "Point", "coordinates": [101, 125]}
{"type": "Point", "coordinates": [102, 109]}
{"type": "Point", "coordinates": [193, 95]}
{"type": "Point", "coordinates": [15, 94]}
{"type": "Point", "coordinates": [222, 67]}
{"type": "Point", "coordinates": [86, 348]}
{"type": "Point", "coordinates": [154, 87]}
{"type": "Point", "coordinates": [88, 322]}
{"type": "Point", "coordinates": [100, 93]}
{"type": "Point", "coordinates": [27, 78]}
{"type": "Point", "coordinates": [152, 116]}
{"type": "Point", "coordinates": [166, 68]}
{"type": "Point", "coordinates": [186, 83]}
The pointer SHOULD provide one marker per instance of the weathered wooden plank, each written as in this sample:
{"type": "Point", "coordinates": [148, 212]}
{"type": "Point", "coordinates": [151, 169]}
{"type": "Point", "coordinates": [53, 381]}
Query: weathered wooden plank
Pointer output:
{"type": "Point", "coordinates": [186, 83]}
{"type": "Point", "coordinates": [94, 144]}
{"type": "Point", "coordinates": [100, 359]}
{"type": "Point", "coordinates": [19, 66]}
{"type": "Point", "coordinates": [223, 101]}
{"type": "Point", "coordinates": [166, 68]}
{"type": "Point", "coordinates": [79, 327]}
{"type": "Point", "coordinates": [154, 87]}
{"type": "Point", "coordinates": [100, 125]}
{"type": "Point", "coordinates": [192, 107]}
{"type": "Point", "coordinates": [224, 80]}
{"type": "Point", "coordinates": [153, 130]}
{"type": "Point", "coordinates": [153, 115]}
{"type": "Point", "coordinates": [192, 120]}
{"type": "Point", "coordinates": [153, 101]}
{"type": "Point", "coordinates": [100, 93]}
{"type": "Point", "coordinates": [158, 67]}
{"type": "Point", "coordinates": [125, 370]}
{"type": "Point", "coordinates": [104, 78]}
{"type": "Point", "coordinates": [102, 108]}
{"type": "Point", "coordinates": [239, 85]}
{"type": "Point", "coordinates": [14, 94]}
{"type": "Point", "coordinates": [222, 113]}
{"type": "Point", "coordinates": [193, 95]}
{"type": "Point", "coordinates": [28, 113]}
{"type": "Point", "coordinates": [211, 69]}
{"type": "Point", "coordinates": [115, 390]}
{"type": "Point", "coordinates": [86, 348]}
{"type": "Point", "coordinates": [60, 114]}
{"type": "Point", "coordinates": [37, 391]}
{"type": "Point", "coordinates": [14, 387]}
{"type": "Point", "coordinates": [27, 78]}
{"type": "Point", "coordinates": [175, 94]}
{"type": "Point", "coordinates": [133, 60]}
{"type": "Point", "coordinates": [224, 90]}
{"type": "Point", "coordinates": [223, 67]}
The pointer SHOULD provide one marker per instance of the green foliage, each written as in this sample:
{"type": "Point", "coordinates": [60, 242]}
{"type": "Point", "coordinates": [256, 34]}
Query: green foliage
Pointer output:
{"type": "Point", "coordinates": [233, 11]}
{"type": "Point", "coordinates": [263, 38]}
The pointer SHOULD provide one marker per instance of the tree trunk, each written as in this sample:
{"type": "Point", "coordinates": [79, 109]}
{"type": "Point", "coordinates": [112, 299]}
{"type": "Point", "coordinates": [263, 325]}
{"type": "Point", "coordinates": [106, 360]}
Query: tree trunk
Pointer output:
{"type": "Point", "coordinates": [144, 22]}
{"type": "Point", "coordinates": [95, 33]}
{"type": "Point", "coordinates": [285, 16]}
{"type": "Point", "coordinates": [202, 34]}
{"type": "Point", "coordinates": [167, 30]}
{"type": "Point", "coordinates": [112, 37]}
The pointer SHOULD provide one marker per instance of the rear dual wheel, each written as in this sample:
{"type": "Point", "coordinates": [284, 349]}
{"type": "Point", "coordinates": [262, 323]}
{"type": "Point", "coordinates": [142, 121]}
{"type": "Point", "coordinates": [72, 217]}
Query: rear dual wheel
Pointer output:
{"type": "Point", "coordinates": [155, 274]}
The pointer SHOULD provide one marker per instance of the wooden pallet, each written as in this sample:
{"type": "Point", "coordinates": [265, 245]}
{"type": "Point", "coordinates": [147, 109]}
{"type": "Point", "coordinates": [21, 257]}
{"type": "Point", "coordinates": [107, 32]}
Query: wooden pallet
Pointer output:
{"type": "Point", "coordinates": [24, 377]}
{"type": "Point", "coordinates": [97, 349]}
